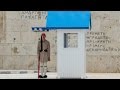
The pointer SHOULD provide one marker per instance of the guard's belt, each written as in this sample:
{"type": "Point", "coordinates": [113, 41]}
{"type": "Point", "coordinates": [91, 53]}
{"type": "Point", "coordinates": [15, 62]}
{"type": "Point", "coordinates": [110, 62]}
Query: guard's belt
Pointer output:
{"type": "Point", "coordinates": [44, 50]}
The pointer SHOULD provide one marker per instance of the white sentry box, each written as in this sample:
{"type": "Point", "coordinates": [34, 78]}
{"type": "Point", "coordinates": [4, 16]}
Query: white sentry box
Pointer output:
{"type": "Point", "coordinates": [71, 61]}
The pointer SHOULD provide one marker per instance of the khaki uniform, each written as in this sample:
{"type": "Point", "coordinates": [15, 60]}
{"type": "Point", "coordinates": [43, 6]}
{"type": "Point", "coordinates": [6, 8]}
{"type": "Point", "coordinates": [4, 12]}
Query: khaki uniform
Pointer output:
{"type": "Point", "coordinates": [44, 56]}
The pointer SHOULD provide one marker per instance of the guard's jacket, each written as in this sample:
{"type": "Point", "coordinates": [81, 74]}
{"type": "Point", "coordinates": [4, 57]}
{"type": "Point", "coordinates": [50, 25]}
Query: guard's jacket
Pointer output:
{"type": "Point", "coordinates": [43, 50]}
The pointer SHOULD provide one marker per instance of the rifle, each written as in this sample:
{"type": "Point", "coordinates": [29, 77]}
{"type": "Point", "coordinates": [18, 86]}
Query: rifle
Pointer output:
{"type": "Point", "coordinates": [38, 65]}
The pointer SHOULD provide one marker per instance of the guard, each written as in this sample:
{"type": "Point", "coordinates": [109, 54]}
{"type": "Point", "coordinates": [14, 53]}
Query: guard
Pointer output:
{"type": "Point", "coordinates": [43, 51]}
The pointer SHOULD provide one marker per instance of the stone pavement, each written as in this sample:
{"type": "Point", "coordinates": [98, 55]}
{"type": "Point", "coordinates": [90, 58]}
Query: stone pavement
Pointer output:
{"type": "Point", "coordinates": [103, 75]}
{"type": "Point", "coordinates": [54, 76]}
{"type": "Point", "coordinates": [25, 76]}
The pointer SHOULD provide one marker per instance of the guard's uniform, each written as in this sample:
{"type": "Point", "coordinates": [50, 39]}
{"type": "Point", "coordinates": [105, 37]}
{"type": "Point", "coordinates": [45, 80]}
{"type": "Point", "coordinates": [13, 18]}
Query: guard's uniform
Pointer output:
{"type": "Point", "coordinates": [44, 55]}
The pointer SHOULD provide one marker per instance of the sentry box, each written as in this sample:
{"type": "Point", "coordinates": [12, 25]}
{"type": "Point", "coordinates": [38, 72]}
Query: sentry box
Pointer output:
{"type": "Point", "coordinates": [71, 52]}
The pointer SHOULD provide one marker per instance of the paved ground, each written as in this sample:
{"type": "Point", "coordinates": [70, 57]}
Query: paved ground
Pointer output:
{"type": "Point", "coordinates": [103, 75]}
{"type": "Point", "coordinates": [26, 76]}
{"type": "Point", "coordinates": [54, 75]}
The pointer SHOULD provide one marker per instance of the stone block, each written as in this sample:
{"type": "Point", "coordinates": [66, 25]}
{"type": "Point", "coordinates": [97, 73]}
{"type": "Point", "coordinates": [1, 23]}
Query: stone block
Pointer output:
{"type": "Point", "coordinates": [29, 37]}
{"type": "Point", "coordinates": [5, 72]}
{"type": "Point", "coordinates": [2, 30]}
{"type": "Point", "coordinates": [107, 64]}
{"type": "Point", "coordinates": [23, 72]}
{"type": "Point", "coordinates": [21, 62]}
{"type": "Point", "coordinates": [32, 63]}
{"type": "Point", "coordinates": [1, 62]}
{"type": "Point", "coordinates": [29, 49]}
{"type": "Point", "coordinates": [5, 50]}
{"type": "Point", "coordinates": [2, 41]}
{"type": "Point", "coordinates": [13, 25]}
{"type": "Point", "coordinates": [12, 15]}
{"type": "Point", "coordinates": [15, 63]}
{"type": "Point", "coordinates": [13, 37]}
{"type": "Point", "coordinates": [24, 49]}
{"type": "Point", "coordinates": [8, 63]}
{"type": "Point", "coordinates": [16, 49]}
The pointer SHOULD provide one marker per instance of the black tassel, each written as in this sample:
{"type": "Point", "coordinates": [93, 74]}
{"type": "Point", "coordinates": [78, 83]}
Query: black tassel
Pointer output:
{"type": "Point", "coordinates": [41, 44]}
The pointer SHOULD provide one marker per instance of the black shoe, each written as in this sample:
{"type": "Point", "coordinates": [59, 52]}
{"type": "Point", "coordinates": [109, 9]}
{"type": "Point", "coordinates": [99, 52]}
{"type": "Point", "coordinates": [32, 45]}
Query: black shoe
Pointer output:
{"type": "Point", "coordinates": [45, 76]}
{"type": "Point", "coordinates": [40, 76]}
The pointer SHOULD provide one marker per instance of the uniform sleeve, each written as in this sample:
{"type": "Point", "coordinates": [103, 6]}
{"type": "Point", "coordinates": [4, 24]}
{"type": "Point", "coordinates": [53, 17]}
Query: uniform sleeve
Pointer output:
{"type": "Point", "coordinates": [38, 47]}
{"type": "Point", "coordinates": [48, 49]}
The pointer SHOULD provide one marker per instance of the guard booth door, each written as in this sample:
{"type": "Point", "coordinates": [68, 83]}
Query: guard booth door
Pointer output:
{"type": "Point", "coordinates": [71, 56]}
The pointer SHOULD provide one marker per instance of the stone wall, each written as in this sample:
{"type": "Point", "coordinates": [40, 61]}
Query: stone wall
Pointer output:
{"type": "Point", "coordinates": [18, 43]}
{"type": "Point", "coordinates": [103, 42]}
{"type": "Point", "coordinates": [18, 46]}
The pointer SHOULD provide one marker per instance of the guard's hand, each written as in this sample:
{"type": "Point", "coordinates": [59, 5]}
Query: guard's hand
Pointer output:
{"type": "Point", "coordinates": [48, 59]}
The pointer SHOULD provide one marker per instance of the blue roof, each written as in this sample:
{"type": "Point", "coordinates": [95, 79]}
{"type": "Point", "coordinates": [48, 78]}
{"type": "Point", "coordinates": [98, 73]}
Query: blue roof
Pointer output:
{"type": "Point", "coordinates": [68, 19]}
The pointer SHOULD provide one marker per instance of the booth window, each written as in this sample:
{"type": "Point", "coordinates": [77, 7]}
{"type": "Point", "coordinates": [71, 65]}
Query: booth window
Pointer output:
{"type": "Point", "coordinates": [70, 40]}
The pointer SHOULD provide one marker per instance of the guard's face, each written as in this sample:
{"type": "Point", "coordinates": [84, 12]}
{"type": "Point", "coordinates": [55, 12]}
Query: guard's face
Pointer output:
{"type": "Point", "coordinates": [43, 37]}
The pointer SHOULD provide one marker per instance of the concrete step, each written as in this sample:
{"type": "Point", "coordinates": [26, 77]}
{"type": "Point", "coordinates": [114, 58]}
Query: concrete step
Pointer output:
{"type": "Point", "coordinates": [18, 71]}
